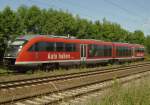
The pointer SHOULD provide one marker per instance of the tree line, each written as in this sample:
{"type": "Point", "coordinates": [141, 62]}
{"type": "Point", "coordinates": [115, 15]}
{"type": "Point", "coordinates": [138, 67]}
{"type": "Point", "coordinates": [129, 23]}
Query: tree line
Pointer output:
{"type": "Point", "coordinates": [34, 20]}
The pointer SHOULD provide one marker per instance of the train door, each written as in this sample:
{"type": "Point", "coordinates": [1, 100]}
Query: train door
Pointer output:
{"type": "Point", "coordinates": [83, 53]}
{"type": "Point", "coordinates": [133, 52]}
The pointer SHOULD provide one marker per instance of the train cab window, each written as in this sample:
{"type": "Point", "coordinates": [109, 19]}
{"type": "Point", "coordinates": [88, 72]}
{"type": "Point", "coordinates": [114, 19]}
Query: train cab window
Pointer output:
{"type": "Point", "coordinates": [59, 46]}
{"type": "Point", "coordinates": [19, 42]}
{"type": "Point", "coordinates": [33, 48]}
{"type": "Point", "coordinates": [70, 47]}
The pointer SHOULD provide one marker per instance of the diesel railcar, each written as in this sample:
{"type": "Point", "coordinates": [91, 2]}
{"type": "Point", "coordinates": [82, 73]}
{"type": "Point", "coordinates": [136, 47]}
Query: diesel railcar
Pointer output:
{"type": "Point", "coordinates": [50, 50]}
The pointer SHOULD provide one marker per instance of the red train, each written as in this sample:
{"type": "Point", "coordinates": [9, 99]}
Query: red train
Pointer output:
{"type": "Point", "coordinates": [49, 50]}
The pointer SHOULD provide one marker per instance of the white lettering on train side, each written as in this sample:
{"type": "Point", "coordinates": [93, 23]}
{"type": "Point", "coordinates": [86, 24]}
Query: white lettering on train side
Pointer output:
{"type": "Point", "coordinates": [58, 56]}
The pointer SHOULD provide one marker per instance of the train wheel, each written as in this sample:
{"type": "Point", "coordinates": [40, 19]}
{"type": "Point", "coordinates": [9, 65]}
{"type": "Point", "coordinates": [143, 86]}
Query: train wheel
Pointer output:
{"type": "Point", "coordinates": [45, 67]}
{"type": "Point", "coordinates": [56, 66]}
{"type": "Point", "coordinates": [49, 66]}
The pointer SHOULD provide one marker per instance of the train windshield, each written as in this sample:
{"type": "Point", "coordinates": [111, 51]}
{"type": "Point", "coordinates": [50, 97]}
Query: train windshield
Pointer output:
{"type": "Point", "coordinates": [14, 47]}
{"type": "Point", "coordinates": [18, 42]}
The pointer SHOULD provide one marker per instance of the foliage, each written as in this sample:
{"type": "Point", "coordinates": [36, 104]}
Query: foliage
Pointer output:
{"type": "Point", "coordinates": [135, 93]}
{"type": "Point", "coordinates": [33, 20]}
{"type": "Point", "coordinates": [147, 43]}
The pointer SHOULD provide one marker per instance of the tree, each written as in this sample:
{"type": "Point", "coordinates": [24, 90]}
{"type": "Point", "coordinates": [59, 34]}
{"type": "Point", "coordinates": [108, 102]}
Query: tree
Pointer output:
{"type": "Point", "coordinates": [33, 17]}
{"type": "Point", "coordinates": [49, 21]}
{"type": "Point", "coordinates": [22, 16]}
{"type": "Point", "coordinates": [138, 37]}
{"type": "Point", "coordinates": [147, 43]}
{"type": "Point", "coordinates": [8, 23]}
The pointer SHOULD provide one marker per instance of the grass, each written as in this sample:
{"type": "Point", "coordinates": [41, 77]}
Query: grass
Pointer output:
{"type": "Point", "coordinates": [3, 70]}
{"type": "Point", "coordinates": [133, 94]}
{"type": "Point", "coordinates": [40, 73]}
{"type": "Point", "coordinates": [5, 76]}
{"type": "Point", "coordinates": [147, 57]}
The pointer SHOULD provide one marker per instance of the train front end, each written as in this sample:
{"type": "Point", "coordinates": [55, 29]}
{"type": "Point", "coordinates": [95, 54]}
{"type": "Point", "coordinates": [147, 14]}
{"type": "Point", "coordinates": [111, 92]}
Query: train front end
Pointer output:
{"type": "Point", "coordinates": [12, 52]}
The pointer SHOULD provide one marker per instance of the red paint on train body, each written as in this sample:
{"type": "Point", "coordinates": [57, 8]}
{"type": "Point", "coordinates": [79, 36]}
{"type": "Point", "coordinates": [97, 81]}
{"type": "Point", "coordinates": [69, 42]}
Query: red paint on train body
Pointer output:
{"type": "Point", "coordinates": [42, 49]}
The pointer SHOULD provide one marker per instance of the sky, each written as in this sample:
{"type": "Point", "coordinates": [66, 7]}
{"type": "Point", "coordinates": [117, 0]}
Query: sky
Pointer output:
{"type": "Point", "coordinates": [130, 14]}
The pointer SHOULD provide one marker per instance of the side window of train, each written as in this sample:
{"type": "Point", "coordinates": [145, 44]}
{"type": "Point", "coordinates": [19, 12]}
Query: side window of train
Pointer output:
{"type": "Point", "coordinates": [70, 47]}
{"type": "Point", "coordinates": [59, 46]}
{"type": "Point", "coordinates": [46, 46]}
{"type": "Point", "coordinates": [119, 51]}
{"type": "Point", "coordinates": [128, 52]}
{"type": "Point", "coordinates": [50, 46]}
{"type": "Point", "coordinates": [141, 50]}
{"type": "Point", "coordinates": [92, 50]}
{"type": "Point", "coordinates": [107, 50]}
{"type": "Point", "coordinates": [124, 51]}
{"type": "Point", "coordinates": [42, 46]}
{"type": "Point", "coordinates": [100, 50]}
{"type": "Point", "coordinates": [74, 47]}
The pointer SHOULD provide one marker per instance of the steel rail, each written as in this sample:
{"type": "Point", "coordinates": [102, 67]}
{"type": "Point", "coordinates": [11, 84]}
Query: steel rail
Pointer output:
{"type": "Point", "coordinates": [109, 78]}
{"type": "Point", "coordinates": [13, 84]}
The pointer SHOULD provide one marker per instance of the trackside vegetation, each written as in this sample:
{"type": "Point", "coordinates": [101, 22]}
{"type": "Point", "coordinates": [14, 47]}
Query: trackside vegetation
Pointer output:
{"type": "Point", "coordinates": [133, 94]}
{"type": "Point", "coordinates": [34, 20]}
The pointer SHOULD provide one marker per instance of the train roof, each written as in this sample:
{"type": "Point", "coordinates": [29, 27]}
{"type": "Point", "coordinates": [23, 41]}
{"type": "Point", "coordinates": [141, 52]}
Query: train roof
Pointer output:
{"type": "Point", "coordinates": [129, 44]}
{"type": "Point", "coordinates": [28, 37]}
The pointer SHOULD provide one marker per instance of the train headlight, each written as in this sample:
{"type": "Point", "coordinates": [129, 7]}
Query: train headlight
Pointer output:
{"type": "Point", "coordinates": [19, 48]}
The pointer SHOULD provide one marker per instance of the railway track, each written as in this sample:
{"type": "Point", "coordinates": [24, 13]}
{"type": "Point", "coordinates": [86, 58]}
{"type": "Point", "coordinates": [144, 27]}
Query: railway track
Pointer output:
{"type": "Point", "coordinates": [76, 80]}
{"type": "Point", "coordinates": [84, 95]}
{"type": "Point", "coordinates": [18, 83]}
